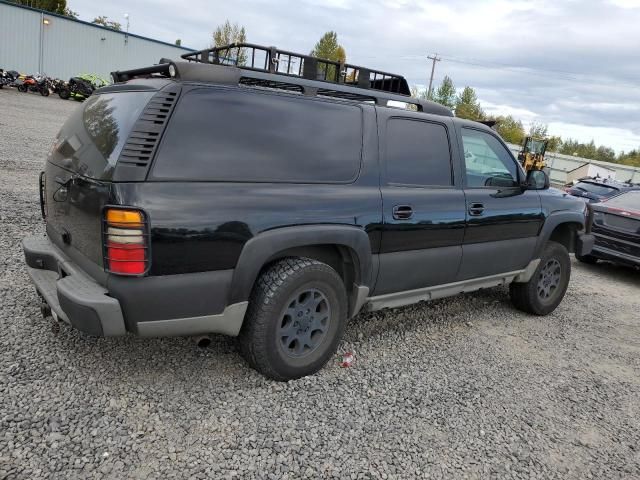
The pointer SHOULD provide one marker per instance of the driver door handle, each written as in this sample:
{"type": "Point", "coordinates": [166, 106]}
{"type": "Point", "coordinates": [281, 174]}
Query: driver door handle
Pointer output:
{"type": "Point", "coordinates": [476, 208]}
{"type": "Point", "coordinates": [402, 212]}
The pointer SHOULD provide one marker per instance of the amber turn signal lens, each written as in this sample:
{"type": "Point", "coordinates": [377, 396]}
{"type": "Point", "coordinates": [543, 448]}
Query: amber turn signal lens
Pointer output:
{"type": "Point", "coordinates": [124, 218]}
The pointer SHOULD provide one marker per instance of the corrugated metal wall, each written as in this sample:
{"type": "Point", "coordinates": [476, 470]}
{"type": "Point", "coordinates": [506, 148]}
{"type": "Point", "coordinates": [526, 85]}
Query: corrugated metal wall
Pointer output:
{"type": "Point", "coordinates": [559, 165]}
{"type": "Point", "coordinates": [65, 48]}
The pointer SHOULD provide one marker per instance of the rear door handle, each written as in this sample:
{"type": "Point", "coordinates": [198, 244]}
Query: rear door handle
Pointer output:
{"type": "Point", "coordinates": [476, 208]}
{"type": "Point", "coordinates": [402, 212]}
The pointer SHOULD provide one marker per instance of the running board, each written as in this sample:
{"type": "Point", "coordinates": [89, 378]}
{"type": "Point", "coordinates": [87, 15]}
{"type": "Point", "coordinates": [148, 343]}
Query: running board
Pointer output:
{"type": "Point", "coordinates": [400, 299]}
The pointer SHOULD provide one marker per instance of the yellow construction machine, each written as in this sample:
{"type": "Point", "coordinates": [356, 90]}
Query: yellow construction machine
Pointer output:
{"type": "Point", "coordinates": [532, 154]}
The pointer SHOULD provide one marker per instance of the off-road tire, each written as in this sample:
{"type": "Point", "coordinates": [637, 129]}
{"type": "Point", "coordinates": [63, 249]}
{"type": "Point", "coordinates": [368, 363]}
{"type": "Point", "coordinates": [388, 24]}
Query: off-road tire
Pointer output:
{"type": "Point", "coordinates": [270, 298]}
{"type": "Point", "coordinates": [526, 296]}
{"type": "Point", "coordinates": [589, 259]}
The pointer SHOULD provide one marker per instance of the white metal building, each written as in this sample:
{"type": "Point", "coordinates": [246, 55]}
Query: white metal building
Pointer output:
{"type": "Point", "coordinates": [34, 40]}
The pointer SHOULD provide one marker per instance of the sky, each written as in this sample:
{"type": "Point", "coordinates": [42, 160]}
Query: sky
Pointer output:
{"type": "Point", "coordinates": [572, 64]}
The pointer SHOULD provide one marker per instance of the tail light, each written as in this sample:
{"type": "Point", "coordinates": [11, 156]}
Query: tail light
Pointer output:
{"type": "Point", "coordinates": [126, 241]}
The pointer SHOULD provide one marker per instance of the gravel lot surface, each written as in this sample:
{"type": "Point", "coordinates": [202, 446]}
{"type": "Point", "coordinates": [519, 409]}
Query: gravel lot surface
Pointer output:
{"type": "Point", "coordinates": [460, 388]}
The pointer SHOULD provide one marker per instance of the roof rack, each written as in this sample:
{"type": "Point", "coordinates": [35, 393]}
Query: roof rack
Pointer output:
{"type": "Point", "coordinates": [241, 64]}
{"type": "Point", "coordinates": [259, 58]}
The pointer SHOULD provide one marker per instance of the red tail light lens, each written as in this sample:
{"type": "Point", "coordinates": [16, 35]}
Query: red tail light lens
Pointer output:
{"type": "Point", "coordinates": [126, 241]}
{"type": "Point", "coordinates": [126, 259]}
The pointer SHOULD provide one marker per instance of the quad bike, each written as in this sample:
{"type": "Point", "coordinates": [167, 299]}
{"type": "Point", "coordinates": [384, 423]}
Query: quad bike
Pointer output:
{"type": "Point", "coordinates": [81, 87]}
{"type": "Point", "coordinates": [76, 87]}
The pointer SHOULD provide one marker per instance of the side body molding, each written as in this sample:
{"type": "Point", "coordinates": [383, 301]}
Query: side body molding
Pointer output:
{"type": "Point", "coordinates": [552, 221]}
{"type": "Point", "coordinates": [264, 246]}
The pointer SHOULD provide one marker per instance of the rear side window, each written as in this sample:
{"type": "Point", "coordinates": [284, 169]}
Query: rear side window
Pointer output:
{"type": "Point", "coordinates": [417, 153]}
{"type": "Point", "coordinates": [243, 136]}
{"type": "Point", "coordinates": [92, 138]}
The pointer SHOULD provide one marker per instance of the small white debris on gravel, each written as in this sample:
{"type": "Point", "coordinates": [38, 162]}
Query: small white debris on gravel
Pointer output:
{"type": "Point", "coordinates": [515, 396]}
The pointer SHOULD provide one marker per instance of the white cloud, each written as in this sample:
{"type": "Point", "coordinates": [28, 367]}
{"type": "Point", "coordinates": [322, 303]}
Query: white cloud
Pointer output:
{"type": "Point", "coordinates": [626, 3]}
{"type": "Point", "coordinates": [527, 116]}
{"type": "Point", "coordinates": [580, 72]}
{"type": "Point", "coordinates": [618, 138]}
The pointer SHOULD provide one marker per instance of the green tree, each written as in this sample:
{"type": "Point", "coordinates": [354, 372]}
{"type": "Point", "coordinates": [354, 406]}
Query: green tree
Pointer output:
{"type": "Point", "coordinates": [53, 6]}
{"type": "Point", "coordinates": [554, 143]}
{"type": "Point", "coordinates": [538, 129]}
{"type": "Point", "coordinates": [178, 42]}
{"type": "Point", "coordinates": [510, 129]}
{"type": "Point", "coordinates": [229, 33]}
{"type": "Point", "coordinates": [445, 94]}
{"type": "Point", "coordinates": [631, 158]}
{"type": "Point", "coordinates": [105, 22]}
{"type": "Point", "coordinates": [328, 48]}
{"type": "Point", "coordinates": [467, 105]}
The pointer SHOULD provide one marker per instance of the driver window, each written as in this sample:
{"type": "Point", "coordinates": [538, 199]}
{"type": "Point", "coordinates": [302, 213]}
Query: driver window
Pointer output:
{"type": "Point", "coordinates": [487, 162]}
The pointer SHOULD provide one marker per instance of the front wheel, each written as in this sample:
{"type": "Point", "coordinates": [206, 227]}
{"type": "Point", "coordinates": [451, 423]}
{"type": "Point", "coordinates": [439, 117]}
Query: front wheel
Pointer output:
{"type": "Point", "coordinates": [64, 93]}
{"type": "Point", "coordinates": [44, 92]}
{"type": "Point", "coordinates": [546, 288]}
{"type": "Point", "coordinates": [22, 88]}
{"type": "Point", "coordinates": [296, 318]}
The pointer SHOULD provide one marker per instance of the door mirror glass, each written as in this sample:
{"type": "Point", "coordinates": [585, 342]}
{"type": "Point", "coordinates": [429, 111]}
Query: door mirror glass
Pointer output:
{"type": "Point", "coordinates": [537, 180]}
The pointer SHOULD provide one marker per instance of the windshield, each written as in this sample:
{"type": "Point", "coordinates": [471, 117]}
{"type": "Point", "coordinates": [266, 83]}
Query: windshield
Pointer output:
{"type": "Point", "coordinates": [601, 190]}
{"type": "Point", "coordinates": [536, 146]}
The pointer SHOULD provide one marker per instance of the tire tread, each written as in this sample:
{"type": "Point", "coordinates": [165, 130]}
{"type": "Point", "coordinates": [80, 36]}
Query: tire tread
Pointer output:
{"type": "Point", "coordinates": [263, 306]}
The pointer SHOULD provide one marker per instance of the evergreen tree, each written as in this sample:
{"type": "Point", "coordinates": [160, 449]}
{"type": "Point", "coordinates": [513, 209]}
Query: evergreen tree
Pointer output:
{"type": "Point", "coordinates": [468, 106]}
{"type": "Point", "coordinates": [445, 94]}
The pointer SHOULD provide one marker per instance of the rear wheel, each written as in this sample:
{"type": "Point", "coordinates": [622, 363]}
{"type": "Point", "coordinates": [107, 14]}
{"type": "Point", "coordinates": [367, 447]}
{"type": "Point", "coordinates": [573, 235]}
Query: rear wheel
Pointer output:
{"type": "Point", "coordinates": [64, 93]}
{"type": "Point", "coordinates": [296, 318]}
{"type": "Point", "coordinates": [546, 288]}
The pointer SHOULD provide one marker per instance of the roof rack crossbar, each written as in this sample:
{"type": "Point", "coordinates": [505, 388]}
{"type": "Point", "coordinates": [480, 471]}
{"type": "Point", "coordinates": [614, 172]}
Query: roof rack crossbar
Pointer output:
{"type": "Point", "coordinates": [250, 56]}
{"type": "Point", "coordinates": [162, 69]}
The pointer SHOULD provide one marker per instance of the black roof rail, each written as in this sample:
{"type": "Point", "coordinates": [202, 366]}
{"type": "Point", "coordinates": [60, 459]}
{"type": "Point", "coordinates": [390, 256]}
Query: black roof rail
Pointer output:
{"type": "Point", "coordinates": [250, 56]}
{"type": "Point", "coordinates": [379, 90]}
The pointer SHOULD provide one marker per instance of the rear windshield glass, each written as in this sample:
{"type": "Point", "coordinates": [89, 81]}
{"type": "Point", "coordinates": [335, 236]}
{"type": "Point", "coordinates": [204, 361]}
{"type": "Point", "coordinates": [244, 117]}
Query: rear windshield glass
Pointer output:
{"type": "Point", "coordinates": [597, 189]}
{"type": "Point", "coordinates": [629, 200]}
{"type": "Point", "coordinates": [92, 138]}
{"type": "Point", "coordinates": [237, 135]}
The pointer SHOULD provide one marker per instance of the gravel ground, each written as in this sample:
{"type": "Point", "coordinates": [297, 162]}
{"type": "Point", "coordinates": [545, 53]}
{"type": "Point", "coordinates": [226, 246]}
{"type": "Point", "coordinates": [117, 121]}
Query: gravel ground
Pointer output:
{"type": "Point", "coordinates": [459, 388]}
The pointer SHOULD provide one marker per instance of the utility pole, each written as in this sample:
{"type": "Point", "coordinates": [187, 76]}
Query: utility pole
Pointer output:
{"type": "Point", "coordinates": [434, 59]}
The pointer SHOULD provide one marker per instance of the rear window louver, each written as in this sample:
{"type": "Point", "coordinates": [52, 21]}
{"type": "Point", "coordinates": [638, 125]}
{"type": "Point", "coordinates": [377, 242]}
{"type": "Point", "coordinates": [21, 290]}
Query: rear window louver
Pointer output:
{"type": "Point", "coordinates": [137, 153]}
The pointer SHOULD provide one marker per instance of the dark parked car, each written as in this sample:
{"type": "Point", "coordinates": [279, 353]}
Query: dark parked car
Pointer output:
{"type": "Point", "coordinates": [274, 203]}
{"type": "Point", "coordinates": [616, 227]}
{"type": "Point", "coordinates": [599, 190]}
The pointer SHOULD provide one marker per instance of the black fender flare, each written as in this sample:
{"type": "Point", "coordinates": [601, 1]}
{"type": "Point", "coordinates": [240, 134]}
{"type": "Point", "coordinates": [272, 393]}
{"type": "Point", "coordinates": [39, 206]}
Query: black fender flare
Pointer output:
{"type": "Point", "coordinates": [258, 250]}
{"type": "Point", "coordinates": [550, 224]}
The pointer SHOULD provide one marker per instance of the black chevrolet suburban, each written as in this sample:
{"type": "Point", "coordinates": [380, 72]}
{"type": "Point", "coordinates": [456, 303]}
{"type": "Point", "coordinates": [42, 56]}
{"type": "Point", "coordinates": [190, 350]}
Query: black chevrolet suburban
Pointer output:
{"type": "Point", "coordinates": [259, 193]}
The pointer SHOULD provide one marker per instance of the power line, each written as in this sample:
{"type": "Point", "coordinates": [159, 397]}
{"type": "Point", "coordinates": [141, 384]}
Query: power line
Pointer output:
{"type": "Point", "coordinates": [584, 78]}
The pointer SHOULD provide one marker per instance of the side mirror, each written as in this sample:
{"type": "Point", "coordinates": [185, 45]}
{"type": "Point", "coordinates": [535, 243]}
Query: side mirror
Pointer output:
{"type": "Point", "coordinates": [537, 180]}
